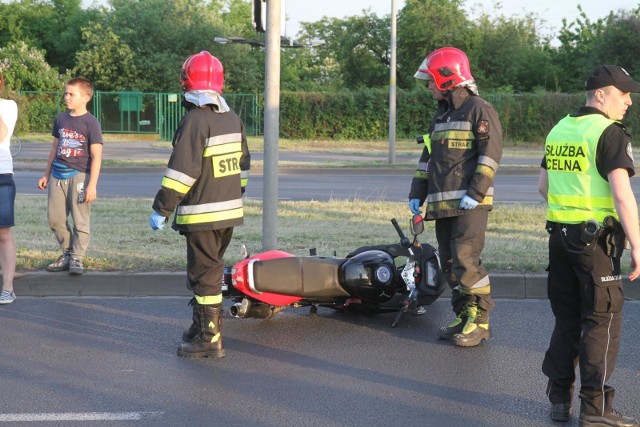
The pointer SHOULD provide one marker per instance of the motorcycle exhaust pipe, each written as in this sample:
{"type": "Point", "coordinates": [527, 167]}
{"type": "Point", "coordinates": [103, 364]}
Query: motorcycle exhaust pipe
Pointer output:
{"type": "Point", "coordinates": [247, 309]}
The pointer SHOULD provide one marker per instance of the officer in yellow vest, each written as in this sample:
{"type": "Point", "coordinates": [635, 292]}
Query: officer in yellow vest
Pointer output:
{"type": "Point", "coordinates": [591, 212]}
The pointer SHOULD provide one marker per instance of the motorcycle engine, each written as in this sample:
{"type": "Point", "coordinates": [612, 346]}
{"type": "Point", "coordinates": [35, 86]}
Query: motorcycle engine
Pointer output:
{"type": "Point", "coordinates": [370, 276]}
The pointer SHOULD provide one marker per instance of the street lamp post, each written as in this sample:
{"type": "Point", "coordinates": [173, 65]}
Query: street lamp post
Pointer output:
{"type": "Point", "coordinates": [392, 88]}
{"type": "Point", "coordinates": [271, 127]}
{"type": "Point", "coordinates": [273, 42]}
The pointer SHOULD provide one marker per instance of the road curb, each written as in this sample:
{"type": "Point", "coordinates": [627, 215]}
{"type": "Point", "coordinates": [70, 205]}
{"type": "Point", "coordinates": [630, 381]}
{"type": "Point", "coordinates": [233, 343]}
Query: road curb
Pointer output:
{"type": "Point", "coordinates": [119, 284]}
{"type": "Point", "coordinates": [44, 284]}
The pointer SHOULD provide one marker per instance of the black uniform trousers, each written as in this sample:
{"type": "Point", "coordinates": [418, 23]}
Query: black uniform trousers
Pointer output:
{"type": "Point", "coordinates": [585, 292]}
{"type": "Point", "coordinates": [205, 265]}
{"type": "Point", "coordinates": [460, 243]}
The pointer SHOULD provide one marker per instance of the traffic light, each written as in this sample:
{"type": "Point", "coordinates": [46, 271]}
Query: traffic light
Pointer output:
{"type": "Point", "coordinates": [259, 15]}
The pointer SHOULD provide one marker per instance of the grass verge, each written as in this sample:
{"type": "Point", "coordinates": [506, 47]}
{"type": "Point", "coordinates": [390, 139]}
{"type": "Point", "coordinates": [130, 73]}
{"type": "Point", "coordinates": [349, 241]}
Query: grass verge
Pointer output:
{"type": "Point", "coordinates": [121, 239]}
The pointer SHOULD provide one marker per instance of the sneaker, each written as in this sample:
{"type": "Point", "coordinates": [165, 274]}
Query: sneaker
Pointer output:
{"type": "Point", "coordinates": [61, 264]}
{"type": "Point", "coordinates": [75, 267]}
{"type": "Point", "coordinates": [7, 297]}
{"type": "Point", "coordinates": [613, 418]}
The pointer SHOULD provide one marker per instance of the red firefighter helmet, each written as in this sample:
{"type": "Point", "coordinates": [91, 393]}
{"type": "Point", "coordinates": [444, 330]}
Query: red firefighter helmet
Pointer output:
{"type": "Point", "coordinates": [202, 71]}
{"type": "Point", "coordinates": [447, 66]}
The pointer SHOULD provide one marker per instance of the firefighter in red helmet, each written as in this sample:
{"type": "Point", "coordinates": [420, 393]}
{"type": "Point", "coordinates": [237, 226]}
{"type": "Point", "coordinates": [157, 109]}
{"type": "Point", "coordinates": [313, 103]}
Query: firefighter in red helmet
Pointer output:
{"type": "Point", "coordinates": [454, 185]}
{"type": "Point", "coordinates": [203, 184]}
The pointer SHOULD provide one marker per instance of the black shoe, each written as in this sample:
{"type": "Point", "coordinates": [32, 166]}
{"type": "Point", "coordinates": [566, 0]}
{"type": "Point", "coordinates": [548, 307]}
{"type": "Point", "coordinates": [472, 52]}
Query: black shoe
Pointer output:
{"type": "Point", "coordinates": [561, 411]}
{"type": "Point", "coordinates": [613, 418]}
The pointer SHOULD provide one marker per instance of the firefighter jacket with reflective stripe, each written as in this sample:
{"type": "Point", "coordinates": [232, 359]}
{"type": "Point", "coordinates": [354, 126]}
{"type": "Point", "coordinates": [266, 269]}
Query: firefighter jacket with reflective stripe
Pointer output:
{"type": "Point", "coordinates": [577, 192]}
{"type": "Point", "coordinates": [461, 156]}
{"type": "Point", "coordinates": [207, 171]}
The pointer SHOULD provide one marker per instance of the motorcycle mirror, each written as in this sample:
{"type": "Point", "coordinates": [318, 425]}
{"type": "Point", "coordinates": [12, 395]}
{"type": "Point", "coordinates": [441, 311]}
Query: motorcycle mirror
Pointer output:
{"type": "Point", "coordinates": [417, 225]}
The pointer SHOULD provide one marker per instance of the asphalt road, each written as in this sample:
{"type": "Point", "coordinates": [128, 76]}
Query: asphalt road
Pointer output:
{"type": "Point", "coordinates": [309, 185]}
{"type": "Point", "coordinates": [515, 183]}
{"type": "Point", "coordinates": [85, 361]}
{"type": "Point", "coordinates": [113, 359]}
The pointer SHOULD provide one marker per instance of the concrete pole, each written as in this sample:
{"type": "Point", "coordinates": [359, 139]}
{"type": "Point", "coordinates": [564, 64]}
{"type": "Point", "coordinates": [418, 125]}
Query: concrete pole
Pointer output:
{"type": "Point", "coordinates": [271, 127]}
{"type": "Point", "coordinates": [392, 88]}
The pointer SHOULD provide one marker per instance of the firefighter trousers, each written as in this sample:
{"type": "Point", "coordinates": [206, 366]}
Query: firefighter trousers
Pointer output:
{"type": "Point", "coordinates": [205, 265]}
{"type": "Point", "coordinates": [460, 243]}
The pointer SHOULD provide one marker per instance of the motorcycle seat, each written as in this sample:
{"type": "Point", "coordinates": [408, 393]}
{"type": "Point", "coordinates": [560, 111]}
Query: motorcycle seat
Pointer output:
{"type": "Point", "coordinates": [310, 277]}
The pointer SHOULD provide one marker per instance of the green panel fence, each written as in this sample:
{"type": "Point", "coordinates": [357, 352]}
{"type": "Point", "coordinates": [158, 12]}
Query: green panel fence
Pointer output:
{"type": "Point", "coordinates": [129, 112]}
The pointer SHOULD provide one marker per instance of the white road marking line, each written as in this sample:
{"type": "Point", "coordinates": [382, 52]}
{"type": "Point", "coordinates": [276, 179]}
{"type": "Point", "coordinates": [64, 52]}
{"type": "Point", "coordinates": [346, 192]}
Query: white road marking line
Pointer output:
{"type": "Point", "coordinates": [80, 416]}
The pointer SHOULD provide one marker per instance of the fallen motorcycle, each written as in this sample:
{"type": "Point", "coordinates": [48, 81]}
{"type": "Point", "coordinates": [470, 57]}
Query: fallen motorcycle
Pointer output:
{"type": "Point", "coordinates": [402, 278]}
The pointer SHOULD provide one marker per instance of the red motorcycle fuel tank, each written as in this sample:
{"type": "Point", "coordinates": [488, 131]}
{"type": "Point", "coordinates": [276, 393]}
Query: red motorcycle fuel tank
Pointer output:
{"type": "Point", "coordinates": [241, 279]}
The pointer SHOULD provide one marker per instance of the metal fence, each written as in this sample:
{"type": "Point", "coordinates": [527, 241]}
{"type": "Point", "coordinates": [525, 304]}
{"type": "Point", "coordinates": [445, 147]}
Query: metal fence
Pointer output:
{"type": "Point", "coordinates": [132, 112]}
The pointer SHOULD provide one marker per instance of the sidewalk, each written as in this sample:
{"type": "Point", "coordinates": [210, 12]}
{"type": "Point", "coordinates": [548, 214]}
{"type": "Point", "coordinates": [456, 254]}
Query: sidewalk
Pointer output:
{"type": "Point", "coordinates": [159, 284]}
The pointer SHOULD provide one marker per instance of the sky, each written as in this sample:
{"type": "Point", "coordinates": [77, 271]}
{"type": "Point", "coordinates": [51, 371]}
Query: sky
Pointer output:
{"type": "Point", "coordinates": [551, 10]}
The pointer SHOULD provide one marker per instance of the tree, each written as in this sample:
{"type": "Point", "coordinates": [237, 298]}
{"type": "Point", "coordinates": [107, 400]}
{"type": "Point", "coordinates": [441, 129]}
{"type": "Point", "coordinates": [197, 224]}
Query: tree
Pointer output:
{"type": "Point", "coordinates": [162, 34]}
{"type": "Point", "coordinates": [29, 21]}
{"type": "Point", "coordinates": [425, 25]}
{"type": "Point", "coordinates": [25, 68]}
{"type": "Point", "coordinates": [11, 20]}
{"type": "Point", "coordinates": [612, 46]}
{"type": "Point", "coordinates": [508, 53]}
{"type": "Point", "coordinates": [355, 50]}
{"type": "Point", "coordinates": [68, 37]}
{"type": "Point", "coordinates": [107, 61]}
{"type": "Point", "coordinates": [575, 58]}
{"type": "Point", "coordinates": [52, 26]}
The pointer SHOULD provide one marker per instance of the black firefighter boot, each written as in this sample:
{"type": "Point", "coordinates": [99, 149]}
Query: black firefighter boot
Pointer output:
{"type": "Point", "coordinates": [190, 334]}
{"type": "Point", "coordinates": [208, 340]}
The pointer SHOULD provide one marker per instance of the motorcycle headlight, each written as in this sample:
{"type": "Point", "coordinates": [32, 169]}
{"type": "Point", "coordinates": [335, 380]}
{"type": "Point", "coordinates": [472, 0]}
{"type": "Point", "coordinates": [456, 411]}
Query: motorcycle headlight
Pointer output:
{"type": "Point", "coordinates": [433, 278]}
{"type": "Point", "coordinates": [383, 274]}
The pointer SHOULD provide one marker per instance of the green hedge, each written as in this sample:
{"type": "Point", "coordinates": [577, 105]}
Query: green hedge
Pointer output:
{"type": "Point", "coordinates": [37, 111]}
{"type": "Point", "coordinates": [364, 114]}
{"type": "Point", "coordinates": [530, 117]}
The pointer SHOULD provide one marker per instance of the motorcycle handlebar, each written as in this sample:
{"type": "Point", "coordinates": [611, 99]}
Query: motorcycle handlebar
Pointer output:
{"type": "Point", "coordinates": [403, 239]}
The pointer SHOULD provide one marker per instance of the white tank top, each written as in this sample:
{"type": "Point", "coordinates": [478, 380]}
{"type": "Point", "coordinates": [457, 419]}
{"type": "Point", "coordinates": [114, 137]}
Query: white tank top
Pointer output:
{"type": "Point", "coordinates": [9, 115]}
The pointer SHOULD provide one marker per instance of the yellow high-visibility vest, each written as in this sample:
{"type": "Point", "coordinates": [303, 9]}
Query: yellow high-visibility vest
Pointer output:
{"type": "Point", "coordinates": [576, 191]}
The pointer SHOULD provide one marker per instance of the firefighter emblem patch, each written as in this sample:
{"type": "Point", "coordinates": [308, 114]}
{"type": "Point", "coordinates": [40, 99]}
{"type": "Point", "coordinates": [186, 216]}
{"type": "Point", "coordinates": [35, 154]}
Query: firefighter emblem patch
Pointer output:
{"type": "Point", "coordinates": [483, 127]}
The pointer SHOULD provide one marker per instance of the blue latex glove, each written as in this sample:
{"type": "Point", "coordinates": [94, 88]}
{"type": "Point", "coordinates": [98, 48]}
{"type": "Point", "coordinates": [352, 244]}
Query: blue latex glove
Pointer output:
{"type": "Point", "coordinates": [468, 202]}
{"type": "Point", "coordinates": [156, 221]}
{"type": "Point", "coordinates": [414, 206]}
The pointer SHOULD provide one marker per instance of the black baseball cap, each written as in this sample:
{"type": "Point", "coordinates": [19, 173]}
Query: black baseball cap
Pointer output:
{"type": "Point", "coordinates": [611, 75]}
